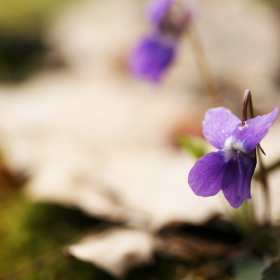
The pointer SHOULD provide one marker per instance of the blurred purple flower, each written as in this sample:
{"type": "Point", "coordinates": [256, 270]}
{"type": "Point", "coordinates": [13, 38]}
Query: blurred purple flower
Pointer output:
{"type": "Point", "coordinates": [157, 10]}
{"type": "Point", "coordinates": [232, 167]}
{"type": "Point", "coordinates": [151, 57]}
{"type": "Point", "coordinates": [156, 52]}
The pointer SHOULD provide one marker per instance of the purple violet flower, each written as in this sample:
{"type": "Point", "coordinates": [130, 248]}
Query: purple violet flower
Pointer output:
{"type": "Point", "coordinates": [232, 167]}
{"type": "Point", "coordinates": [157, 51]}
{"type": "Point", "coordinates": [151, 57]}
{"type": "Point", "coordinates": [157, 10]}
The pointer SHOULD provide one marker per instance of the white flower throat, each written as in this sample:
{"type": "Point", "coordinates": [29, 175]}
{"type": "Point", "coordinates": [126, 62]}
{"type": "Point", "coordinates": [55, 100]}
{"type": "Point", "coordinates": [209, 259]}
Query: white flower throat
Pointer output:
{"type": "Point", "coordinates": [231, 147]}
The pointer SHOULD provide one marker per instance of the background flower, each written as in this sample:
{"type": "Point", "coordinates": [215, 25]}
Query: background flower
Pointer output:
{"type": "Point", "coordinates": [151, 57]}
{"type": "Point", "coordinates": [156, 52]}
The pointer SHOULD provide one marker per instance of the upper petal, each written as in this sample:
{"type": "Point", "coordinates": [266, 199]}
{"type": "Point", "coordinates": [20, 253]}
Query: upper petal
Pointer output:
{"type": "Point", "coordinates": [205, 176]}
{"type": "Point", "coordinates": [218, 125]}
{"type": "Point", "coordinates": [152, 57]}
{"type": "Point", "coordinates": [254, 131]}
{"type": "Point", "coordinates": [157, 10]}
{"type": "Point", "coordinates": [237, 178]}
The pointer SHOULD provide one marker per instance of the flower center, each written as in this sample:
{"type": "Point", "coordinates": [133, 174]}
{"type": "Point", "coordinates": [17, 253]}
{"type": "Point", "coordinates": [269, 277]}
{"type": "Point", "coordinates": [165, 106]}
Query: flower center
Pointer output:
{"type": "Point", "coordinates": [231, 147]}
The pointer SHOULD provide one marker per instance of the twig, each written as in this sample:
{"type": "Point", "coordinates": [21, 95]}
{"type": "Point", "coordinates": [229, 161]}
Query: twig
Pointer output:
{"type": "Point", "coordinates": [203, 67]}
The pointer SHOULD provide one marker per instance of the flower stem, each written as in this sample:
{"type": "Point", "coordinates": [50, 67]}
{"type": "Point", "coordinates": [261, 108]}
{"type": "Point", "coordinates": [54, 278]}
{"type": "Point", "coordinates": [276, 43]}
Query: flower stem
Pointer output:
{"type": "Point", "coordinates": [203, 67]}
{"type": "Point", "coordinates": [248, 102]}
{"type": "Point", "coordinates": [270, 168]}
{"type": "Point", "coordinates": [263, 180]}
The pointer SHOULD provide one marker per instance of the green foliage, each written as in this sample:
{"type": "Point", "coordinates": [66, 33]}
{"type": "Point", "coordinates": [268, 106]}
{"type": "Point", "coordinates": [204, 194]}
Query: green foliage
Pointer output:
{"type": "Point", "coordinates": [249, 267]}
{"type": "Point", "coordinates": [22, 25]}
{"type": "Point", "coordinates": [193, 145]}
{"type": "Point", "coordinates": [260, 264]}
{"type": "Point", "coordinates": [244, 217]}
{"type": "Point", "coordinates": [32, 238]}
{"type": "Point", "coordinates": [272, 272]}
{"type": "Point", "coordinates": [26, 17]}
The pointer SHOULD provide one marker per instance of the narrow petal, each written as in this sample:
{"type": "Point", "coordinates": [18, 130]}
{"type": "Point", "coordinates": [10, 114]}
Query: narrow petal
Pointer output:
{"type": "Point", "coordinates": [230, 183]}
{"type": "Point", "coordinates": [151, 58]}
{"type": "Point", "coordinates": [237, 178]}
{"type": "Point", "coordinates": [254, 131]}
{"type": "Point", "coordinates": [157, 10]}
{"type": "Point", "coordinates": [205, 176]}
{"type": "Point", "coordinates": [246, 167]}
{"type": "Point", "coordinates": [218, 125]}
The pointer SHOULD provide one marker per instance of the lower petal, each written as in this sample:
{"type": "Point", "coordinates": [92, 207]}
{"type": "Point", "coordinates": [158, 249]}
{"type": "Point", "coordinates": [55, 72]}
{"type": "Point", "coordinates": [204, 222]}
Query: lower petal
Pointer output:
{"type": "Point", "coordinates": [246, 165]}
{"type": "Point", "coordinates": [230, 183]}
{"type": "Point", "coordinates": [205, 177]}
{"type": "Point", "coordinates": [237, 178]}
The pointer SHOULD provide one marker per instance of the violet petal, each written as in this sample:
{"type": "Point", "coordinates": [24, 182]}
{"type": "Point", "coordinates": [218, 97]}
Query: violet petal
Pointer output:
{"type": "Point", "coordinates": [246, 167]}
{"type": "Point", "coordinates": [151, 58]}
{"type": "Point", "coordinates": [157, 10]}
{"type": "Point", "coordinates": [254, 130]}
{"type": "Point", "coordinates": [205, 176]}
{"type": "Point", "coordinates": [218, 125]}
{"type": "Point", "coordinates": [230, 183]}
{"type": "Point", "coordinates": [237, 178]}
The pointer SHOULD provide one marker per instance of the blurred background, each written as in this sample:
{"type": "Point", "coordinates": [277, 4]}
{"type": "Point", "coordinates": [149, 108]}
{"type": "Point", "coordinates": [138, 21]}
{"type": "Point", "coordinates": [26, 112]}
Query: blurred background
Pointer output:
{"type": "Point", "coordinates": [93, 178]}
